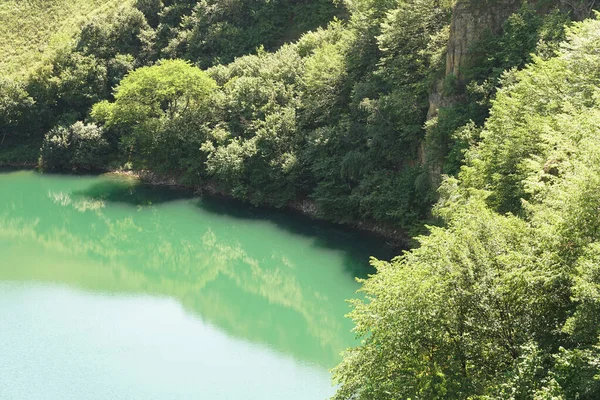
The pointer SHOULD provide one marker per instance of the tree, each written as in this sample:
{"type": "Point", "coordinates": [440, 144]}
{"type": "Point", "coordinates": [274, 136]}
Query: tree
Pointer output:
{"type": "Point", "coordinates": [497, 304]}
{"type": "Point", "coordinates": [76, 147]}
{"type": "Point", "coordinates": [14, 103]}
{"type": "Point", "coordinates": [166, 90]}
{"type": "Point", "coordinates": [159, 114]}
{"type": "Point", "coordinates": [449, 319]}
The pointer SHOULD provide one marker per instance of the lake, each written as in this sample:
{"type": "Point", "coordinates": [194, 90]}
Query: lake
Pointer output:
{"type": "Point", "coordinates": [110, 289]}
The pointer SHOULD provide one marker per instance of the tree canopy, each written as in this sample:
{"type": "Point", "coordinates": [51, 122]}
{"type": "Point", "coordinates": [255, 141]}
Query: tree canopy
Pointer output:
{"type": "Point", "coordinates": [502, 302]}
{"type": "Point", "coordinates": [168, 89]}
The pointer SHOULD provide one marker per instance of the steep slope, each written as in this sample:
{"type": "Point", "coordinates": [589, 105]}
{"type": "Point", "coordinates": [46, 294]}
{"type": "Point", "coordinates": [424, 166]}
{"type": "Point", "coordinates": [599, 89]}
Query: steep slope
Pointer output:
{"type": "Point", "coordinates": [503, 301]}
{"type": "Point", "coordinates": [28, 28]}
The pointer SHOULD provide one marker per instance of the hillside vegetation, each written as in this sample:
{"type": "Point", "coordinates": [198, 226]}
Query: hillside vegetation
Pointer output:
{"type": "Point", "coordinates": [352, 108]}
{"type": "Point", "coordinates": [336, 118]}
{"type": "Point", "coordinates": [29, 27]}
{"type": "Point", "coordinates": [503, 302]}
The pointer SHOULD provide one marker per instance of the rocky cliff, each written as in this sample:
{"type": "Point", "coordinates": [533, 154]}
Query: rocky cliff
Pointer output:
{"type": "Point", "coordinates": [470, 20]}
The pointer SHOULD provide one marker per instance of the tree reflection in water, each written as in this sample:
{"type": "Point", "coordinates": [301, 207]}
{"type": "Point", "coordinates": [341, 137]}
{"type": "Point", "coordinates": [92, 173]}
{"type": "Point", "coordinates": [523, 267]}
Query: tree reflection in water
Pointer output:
{"type": "Point", "coordinates": [264, 277]}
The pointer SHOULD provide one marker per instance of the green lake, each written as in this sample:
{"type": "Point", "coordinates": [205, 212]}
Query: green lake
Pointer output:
{"type": "Point", "coordinates": [110, 289]}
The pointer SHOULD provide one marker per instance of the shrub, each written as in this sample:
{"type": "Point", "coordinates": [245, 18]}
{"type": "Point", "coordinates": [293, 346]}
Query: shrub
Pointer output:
{"type": "Point", "coordinates": [76, 147]}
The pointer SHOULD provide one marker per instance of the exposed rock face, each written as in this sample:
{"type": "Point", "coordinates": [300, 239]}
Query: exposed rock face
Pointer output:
{"type": "Point", "coordinates": [470, 20]}
{"type": "Point", "coordinates": [437, 100]}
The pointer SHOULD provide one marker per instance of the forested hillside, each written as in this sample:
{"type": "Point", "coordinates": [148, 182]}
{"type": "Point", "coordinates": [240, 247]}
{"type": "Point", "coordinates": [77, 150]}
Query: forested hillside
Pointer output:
{"type": "Point", "coordinates": [503, 301]}
{"type": "Point", "coordinates": [370, 111]}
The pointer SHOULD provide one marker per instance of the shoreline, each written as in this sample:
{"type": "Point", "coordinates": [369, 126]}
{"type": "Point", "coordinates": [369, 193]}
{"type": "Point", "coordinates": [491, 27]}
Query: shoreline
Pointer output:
{"type": "Point", "coordinates": [396, 238]}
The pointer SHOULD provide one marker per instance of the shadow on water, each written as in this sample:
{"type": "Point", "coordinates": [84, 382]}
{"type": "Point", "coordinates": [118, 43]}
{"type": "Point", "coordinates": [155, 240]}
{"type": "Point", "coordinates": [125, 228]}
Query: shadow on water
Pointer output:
{"type": "Point", "coordinates": [132, 192]}
{"type": "Point", "coordinates": [356, 246]}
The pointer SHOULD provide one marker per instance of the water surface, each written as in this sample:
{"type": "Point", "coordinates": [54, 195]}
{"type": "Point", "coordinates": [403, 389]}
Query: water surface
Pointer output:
{"type": "Point", "coordinates": [114, 290]}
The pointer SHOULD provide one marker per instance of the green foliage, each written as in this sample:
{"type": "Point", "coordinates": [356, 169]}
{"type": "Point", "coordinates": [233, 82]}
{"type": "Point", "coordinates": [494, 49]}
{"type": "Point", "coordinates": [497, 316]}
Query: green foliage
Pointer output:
{"type": "Point", "coordinates": [77, 147]}
{"type": "Point", "coordinates": [501, 302]}
{"type": "Point", "coordinates": [254, 151]}
{"type": "Point", "coordinates": [79, 73]}
{"type": "Point", "coordinates": [125, 33]}
{"type": "Point", "coordinates": [513, 47]}
{"type": "Point", "coordinates": [380, 119]}
{"type": "Point", "coordinates": [15, 103]}
{"type": "Point", "coordinates": [496, 304]}
{"type": "Point", "coordinates": [525, 122]}
{"type": "Point", "coordinates": [151, 10]}
{"type": "Point", "coordinates": [309, 120]}
{"type": "Point", "coordinates": [167, 89]}
{"type": "Point", "coordinates": [70, 86]}
{"type": "Point", "coordinates": [30, 29]}
{"type": "Point", "coordinates": [158, 116]}
{"type": "Point", "coordinates": [448, 319]}
{"type": "Point", "coordinates": [336, 117]}
{"type": "Point", "coordinates": [209, 32]}
{"type": "Point", "coordinates": [524, 34]}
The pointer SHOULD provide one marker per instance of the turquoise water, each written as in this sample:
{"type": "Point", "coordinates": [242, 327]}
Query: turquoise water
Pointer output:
{"type": "Point", "coordinates": [113, 290]}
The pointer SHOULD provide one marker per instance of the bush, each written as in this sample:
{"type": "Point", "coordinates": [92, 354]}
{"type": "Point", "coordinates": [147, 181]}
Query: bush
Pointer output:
{"type": "Point", "coordinates": [79, 147]}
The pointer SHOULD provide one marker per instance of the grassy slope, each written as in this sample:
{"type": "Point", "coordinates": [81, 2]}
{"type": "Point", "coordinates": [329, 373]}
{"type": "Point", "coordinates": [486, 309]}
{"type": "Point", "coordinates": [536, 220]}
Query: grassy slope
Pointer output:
{"type": "Point", "coordinates": [29, 27]}
{"type": "Point", "coordinates": [28, 31]}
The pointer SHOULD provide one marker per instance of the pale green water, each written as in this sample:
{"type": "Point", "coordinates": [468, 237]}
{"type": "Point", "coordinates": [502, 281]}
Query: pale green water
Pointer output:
{"type": "Point", "coordinates": [110, 290]}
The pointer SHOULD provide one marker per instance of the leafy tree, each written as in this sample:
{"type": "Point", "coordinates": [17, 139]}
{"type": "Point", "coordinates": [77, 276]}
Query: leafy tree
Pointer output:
{"type": "Point", "coordinates": [253, 153]}
{"type": "Point", "coordinates": [78, 75]}
{"type": "Point", "coordinates": [127, 32]}
{"type": "Point", "coordinates": [148, 101]}
{"type": "Point", "coordinates": [449, 319]}
{"type": "Point", "coordinates": [14, 104]}
{"type": "Point", "coordinates": [498, 304]}
{"type": "Point", "coordinates": [216, 31]}
{"type": "Point", "coordinates": [76, 147]}
{"type": "Point", "coordinates": [165, 90]}
{"type": "Point", "coordinates": [151, 10]}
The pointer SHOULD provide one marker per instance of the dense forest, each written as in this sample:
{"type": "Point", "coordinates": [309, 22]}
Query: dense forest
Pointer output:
{"type": "Point", "coordinates": [472, 123]}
